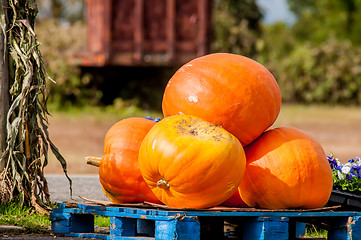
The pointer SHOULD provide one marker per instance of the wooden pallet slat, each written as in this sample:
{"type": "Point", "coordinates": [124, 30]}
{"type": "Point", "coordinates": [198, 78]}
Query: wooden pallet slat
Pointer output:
{"type": "Point", "coordinates": [156, 223]}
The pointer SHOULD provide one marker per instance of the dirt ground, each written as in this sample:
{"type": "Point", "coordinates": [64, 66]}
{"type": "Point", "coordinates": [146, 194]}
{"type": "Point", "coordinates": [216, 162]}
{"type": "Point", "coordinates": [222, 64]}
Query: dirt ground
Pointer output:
{"type": "Point", "coordinates": [338, 129]}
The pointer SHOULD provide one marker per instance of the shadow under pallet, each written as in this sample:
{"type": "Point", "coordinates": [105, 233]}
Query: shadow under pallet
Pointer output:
{"type": "Point", "coordinates": [143, 222]}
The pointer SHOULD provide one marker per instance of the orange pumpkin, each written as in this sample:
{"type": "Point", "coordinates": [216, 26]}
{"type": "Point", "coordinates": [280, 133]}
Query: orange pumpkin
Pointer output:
{"type": "Point", "coordinates": [286, 168]}
{"type": "Point", "coordinates": [225, 89]}
{"type": "Point", "coordinates": [191, 163]}
{"type": "Point", "coordinates": [119, 172]}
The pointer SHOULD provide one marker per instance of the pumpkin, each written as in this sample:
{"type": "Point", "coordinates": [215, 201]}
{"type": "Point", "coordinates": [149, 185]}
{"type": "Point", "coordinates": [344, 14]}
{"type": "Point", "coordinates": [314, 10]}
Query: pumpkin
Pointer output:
{"type": "Point", "coordinates": [119, 172]}
{"type": "Point", "coordinates": [235, 201]}
{"type": "Point", "coordinates": [286, 168]}
{"type": "Point", "coordinates": [225, 89]}
{"type": "Point", "coordinates": [191, 163]}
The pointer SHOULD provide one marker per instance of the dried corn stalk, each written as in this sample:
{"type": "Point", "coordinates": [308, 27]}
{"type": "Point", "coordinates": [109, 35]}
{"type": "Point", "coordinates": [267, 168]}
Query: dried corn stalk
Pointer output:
{"type": "Point", "coordinates": [28, 141]}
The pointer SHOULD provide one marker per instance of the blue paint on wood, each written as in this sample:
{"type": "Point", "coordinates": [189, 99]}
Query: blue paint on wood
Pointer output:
{"type": "Point", "coordinates": [150, 223]}
{"type": "Point", "coordinates": [300, 229]}
{"type": "Point", "coordinates": [266, 229]}
{"type": "Point", "coordinates": [354, 228]}
{"type": "Point", "coordinates": [67, 223]}
{"type": "Point", "coordinates": [123, 226]}
{"type": "Point", "coordinates": [186, 229]}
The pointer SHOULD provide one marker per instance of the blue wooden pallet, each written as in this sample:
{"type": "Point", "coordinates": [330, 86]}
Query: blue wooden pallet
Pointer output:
{"type": "Point", "coordinates": [164, 224]}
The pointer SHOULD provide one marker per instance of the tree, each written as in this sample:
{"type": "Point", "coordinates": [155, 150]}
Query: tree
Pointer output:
{"type": "Point", "coordinates": [236, 26]}
{"type": "Point", "coordinates": [325, 18]}
{"type": "Point", "coordinates": [26, 153]}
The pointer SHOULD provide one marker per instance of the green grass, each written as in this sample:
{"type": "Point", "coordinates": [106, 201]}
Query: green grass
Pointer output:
{"type": "Point", "coordinates": [315, 232]}
{"type": "Point", "coordinates": [101, 221]}
{"type": "Point", "coordinates": [14, 214]}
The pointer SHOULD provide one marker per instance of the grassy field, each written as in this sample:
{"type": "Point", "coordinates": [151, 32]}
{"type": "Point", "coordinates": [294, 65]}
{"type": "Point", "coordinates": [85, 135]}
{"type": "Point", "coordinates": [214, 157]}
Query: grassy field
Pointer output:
{"type": "Point", "coordinates": [81, 134]}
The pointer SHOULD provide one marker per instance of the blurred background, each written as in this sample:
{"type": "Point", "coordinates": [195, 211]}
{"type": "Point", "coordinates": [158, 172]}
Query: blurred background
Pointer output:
{"type": "Point", "coordinates": [111, 59]}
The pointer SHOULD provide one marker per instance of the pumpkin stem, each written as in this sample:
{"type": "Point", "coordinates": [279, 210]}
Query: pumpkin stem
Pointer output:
{"type": "Point", "coordinates": [163, 184]}
{"type": "Point", "coordinates": [94, 161]}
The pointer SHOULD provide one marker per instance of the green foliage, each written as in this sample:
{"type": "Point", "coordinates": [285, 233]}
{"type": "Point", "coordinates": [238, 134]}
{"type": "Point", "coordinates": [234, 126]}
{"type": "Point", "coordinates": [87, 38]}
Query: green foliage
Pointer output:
{"type": "Point", "coordinates": [346, 176]}
{"type": "Point", "coordinates": [313, 231]}
{"type": "Point", "coordinates": [13, 213]}
{"type": "Point", "coordinates": [326, 73]}
{"type": "Point", "coordinates": [59, 44]}
{"type": "Point", "coordinates": [325, 18]}
{"type": "Point", "coordinates": [236, 26]}
{"type": "Point", "coordinates": [316, 70]}
{"type": "Point", "coordinates": [101, 221]}
{"type": "Point", "coordinates": [353, 184]}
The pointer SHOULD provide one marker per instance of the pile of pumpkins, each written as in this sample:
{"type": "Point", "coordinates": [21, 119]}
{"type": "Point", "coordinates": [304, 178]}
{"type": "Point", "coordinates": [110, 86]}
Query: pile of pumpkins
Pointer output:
{"type": "Point", "coordinates": [216, 145]}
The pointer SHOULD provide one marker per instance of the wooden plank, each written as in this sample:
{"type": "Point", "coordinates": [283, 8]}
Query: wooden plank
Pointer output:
{"type": "Point", "coordinates": [123, 19]}
{"type": "Point", "coordinates": [99, 20]}
{"type": "Point", "coordinates": [94, 26]}
{"type": "Point", "coordinates": [117, 36]}
{"type": "Point", "coordinates": [202, 36]}
{"type": "Point", "coordinates": [266, 229]}
{"type": "Point", "coordinates": [177, 230]}
{"type": "Point", "coordinates": [123, 226]}
{"type": "Point", "coordinates": [107, 33]}
{"type": "Point", "coordinates": [180, 47]}
{"type": "Point", "coordinates": [138, 30]}
{"type": "Point", "coordinates": [170, 29]}
{"type": "Point", "coordinates": [63, 223]}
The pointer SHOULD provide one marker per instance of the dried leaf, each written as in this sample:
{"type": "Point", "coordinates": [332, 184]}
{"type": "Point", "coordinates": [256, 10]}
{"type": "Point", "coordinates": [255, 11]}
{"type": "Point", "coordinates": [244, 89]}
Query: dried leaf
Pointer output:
{"type": "Point", "coordinates": [23, 175]}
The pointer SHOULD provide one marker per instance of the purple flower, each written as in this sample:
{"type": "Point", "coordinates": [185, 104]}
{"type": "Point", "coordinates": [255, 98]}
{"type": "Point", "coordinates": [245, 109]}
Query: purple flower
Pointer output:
{"type": "Point", "coordinates": [356, 169]}
{"type": "Point", "coordinates": [352, 160]}
{"type": "Point", "coordinates": [339, 168]}
{"type": "Point", "coordinates": [348, 176]}
{"type": "Point", "coordinates": [351, 170]}
{"type": "Point", "coordinates": [333, 162]}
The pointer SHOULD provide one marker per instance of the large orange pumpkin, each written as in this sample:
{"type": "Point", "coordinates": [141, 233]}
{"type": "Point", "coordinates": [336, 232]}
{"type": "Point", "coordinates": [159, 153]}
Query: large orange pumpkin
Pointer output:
{"type": "Point", "coordinates": [286, 168]}
{"type": "Point", "coordinates": [225, 89]}
{"type": "Point", "coordinates": [119, 172]}
{"type": "Point", "coordinates": [191, 163]}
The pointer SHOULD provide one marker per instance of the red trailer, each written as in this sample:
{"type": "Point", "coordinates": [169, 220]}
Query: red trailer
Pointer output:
{"type": "Point", "coordinates": [146, 32]}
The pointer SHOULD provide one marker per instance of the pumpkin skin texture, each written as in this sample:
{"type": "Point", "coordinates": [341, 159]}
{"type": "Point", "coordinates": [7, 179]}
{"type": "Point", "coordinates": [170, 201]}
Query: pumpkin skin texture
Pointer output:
{"type": "Point", "coordinates": [225, 89]}
{"type": "Point", "coordinates": [119, 172]}
{"type": "Point", "coordinates": [191, 163]}
{"type": "Point", "coordinates": [286, 168]}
